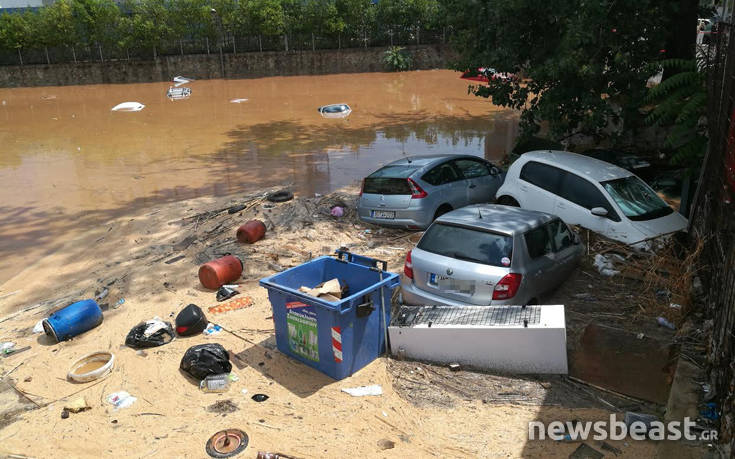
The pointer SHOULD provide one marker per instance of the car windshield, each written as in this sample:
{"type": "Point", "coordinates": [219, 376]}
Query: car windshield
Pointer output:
{"type": "Point", "coordinates": [468, 244]}
{"type": "Point", "coordinates": [335, 108]}
{"type": "Point", "coordinates": [636, 199]}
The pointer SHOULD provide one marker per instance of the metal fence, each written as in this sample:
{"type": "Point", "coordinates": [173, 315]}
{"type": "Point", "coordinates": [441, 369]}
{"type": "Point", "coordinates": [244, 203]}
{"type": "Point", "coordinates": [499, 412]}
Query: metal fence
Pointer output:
{"type": "Point", "coordinates": [713, 223]}
{"type": "Point", "coordinates": [229, 43]}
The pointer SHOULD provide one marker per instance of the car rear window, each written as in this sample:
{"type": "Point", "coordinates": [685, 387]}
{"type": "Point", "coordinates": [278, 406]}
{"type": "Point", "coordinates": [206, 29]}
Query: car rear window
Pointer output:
{"type": "Point", "coordinates": [389, 180]}
{"type": "Point", "coordinates": [468, 244]}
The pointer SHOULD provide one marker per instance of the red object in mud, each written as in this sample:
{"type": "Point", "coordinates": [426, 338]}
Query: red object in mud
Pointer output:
{"type": "Point", "coordinates": [250, 232]}
{"type": "Point", "coordinates": [216, 273]}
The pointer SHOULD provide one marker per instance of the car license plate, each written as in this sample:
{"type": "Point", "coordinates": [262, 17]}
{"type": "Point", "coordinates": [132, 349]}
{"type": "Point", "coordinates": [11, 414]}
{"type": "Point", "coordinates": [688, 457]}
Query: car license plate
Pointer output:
{"type": "Point", "coordinates": [389, 214]}
{"type": "Point", "coordinates": [447, 284]}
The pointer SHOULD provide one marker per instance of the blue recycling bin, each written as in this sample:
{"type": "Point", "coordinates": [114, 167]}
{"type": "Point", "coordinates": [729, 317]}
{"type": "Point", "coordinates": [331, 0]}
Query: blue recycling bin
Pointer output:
{"type": "Point", "coordinates": [335, 337]}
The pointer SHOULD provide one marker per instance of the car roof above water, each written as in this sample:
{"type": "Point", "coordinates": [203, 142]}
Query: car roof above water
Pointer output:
{"type": "Point", "coordinates": [420, 161]}
{"type": "Point", "coordinates": [501, 219]}
{"type": "Point", "coordinates": [592, 168]}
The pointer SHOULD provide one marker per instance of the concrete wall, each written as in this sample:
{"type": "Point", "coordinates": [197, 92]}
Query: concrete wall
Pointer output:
{"type": "Point", "coordinates": [206, 66]}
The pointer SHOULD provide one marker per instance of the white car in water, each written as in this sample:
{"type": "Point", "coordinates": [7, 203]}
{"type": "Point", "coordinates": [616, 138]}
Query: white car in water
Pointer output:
{"type": "Point", "coordinates": [591, 193]}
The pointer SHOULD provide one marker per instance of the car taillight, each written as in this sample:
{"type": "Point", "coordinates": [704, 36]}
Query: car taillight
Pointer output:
{"type": "Point", "coordinates": [408, 267]}
{"type": "Point", "coordinates": [507, 287]}
{"type": "Point", "coordinates": [416, 191]}
{"type": "Point", "coordinates": [362, 187]}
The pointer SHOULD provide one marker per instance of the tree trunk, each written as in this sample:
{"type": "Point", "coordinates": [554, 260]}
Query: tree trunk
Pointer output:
{"type": "Point", "coordinates": [444, 35]}
{"type": "Point", "coordinates": [339, 40]}
{"type": "Point", "coordinates": [390, 33]}
{"type": "Point", "coordinates": [99, 46]}
{"type": "Point", "coordinates": [48, 61]}
{"type": "Point", "coordinates": [234, 49]}
{"type": "Point", "coordinates": [313, 44]}
{"type": "Point", "coordinates": [207, 40]}
{"type": "Point", "coordinates": [20, 56]}
{"type": "Point", "coordinates": [181, 46]}
{"type": "Point", "coordinates": [127, 53]}
{"type": "Point", "coordinates": [154, 53]}
{"type": "Point", "coordinates": [366, 39]}
{"type": "Point", "coordinates": [285, 41]}
{"type": "Point", "coordinates": [260, 43]}
{"type": "Point", "coordinates": [418, 35]}
{"type": "Point", "coordinates": [74, 54]}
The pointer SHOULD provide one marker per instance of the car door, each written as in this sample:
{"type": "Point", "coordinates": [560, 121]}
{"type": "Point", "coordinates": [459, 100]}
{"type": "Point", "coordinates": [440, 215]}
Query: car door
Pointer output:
{"type": "Point", "coordinates": [577, 197]}
{"type": "Point", "coordinates": [538, 186]}
{"type": "Point", "coordinates": [567, 248]}
{"type": "Point", "coordinates": [481, 184]}
{"type": "Point", "coordinates": [450, 182]}
{"type": "Point", "coordinates": [541, 259]}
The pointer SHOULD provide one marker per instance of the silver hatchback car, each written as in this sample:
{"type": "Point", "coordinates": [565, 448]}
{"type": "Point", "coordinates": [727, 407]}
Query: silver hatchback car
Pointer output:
{"type": "Point", "coordinates": [413, 191]}
{"type": "Point", "coordinates": [489, 254]}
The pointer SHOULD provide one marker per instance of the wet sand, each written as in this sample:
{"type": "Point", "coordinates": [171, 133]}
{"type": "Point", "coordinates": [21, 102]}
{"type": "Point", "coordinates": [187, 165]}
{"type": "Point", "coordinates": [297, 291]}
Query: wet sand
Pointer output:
{"type": "Point", "coordinates": [69, 164]}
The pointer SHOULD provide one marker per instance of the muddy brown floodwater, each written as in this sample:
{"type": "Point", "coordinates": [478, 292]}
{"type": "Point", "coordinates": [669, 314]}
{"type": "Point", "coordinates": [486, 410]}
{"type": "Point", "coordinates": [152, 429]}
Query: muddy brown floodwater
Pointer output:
{"type": "Point", "coordinates": [68, 163]}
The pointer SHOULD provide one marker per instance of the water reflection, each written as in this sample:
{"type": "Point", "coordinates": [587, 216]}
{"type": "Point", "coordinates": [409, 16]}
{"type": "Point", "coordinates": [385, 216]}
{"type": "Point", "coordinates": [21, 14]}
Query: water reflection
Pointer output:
{"type": "Point", "coordinates": [68, 162]}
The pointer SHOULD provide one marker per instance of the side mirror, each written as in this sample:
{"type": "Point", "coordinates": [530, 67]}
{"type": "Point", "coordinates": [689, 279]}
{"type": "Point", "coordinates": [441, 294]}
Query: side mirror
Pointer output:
{"type": "Point", "coordinates": [576, 239]}
{"type": "Point", "coordinates": [599, 211]}
{"type": "Point", "coordinates": [494, 170]}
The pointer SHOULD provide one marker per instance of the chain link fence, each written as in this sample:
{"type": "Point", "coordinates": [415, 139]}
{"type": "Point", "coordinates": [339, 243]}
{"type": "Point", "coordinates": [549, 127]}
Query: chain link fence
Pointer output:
{"type": "Point", "coordinates": [713, 222]}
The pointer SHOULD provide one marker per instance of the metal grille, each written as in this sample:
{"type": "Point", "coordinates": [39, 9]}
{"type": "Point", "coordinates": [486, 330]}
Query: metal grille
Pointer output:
{"type": "Point", "coordinates": [489, 316]}
{"type": "Point", "coordinates": [713, 219]}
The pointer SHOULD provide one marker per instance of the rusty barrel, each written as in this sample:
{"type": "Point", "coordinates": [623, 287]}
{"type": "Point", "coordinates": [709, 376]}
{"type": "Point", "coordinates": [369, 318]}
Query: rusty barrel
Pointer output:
{"type": "Point", "coordinates": [214, 274]}
{"type": "Point", "coordinates": [250, 232]}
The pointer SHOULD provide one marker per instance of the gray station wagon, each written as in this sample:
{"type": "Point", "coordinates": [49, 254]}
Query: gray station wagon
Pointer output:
{"type": "Point", "coordinates": [490, 254]}
{"type": "Point", "coordinates": [413, 191]}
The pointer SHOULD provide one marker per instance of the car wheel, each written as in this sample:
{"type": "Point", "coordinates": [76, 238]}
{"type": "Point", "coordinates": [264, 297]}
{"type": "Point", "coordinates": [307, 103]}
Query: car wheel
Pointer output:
{"type": "Point", "coordinates": [508, 201]}
{"type": "Point", "coordinates": [443, 209]}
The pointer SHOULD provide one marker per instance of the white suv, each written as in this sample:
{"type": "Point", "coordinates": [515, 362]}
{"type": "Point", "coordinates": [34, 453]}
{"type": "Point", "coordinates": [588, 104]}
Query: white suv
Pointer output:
{"type": "Point", "coordinates": [591, 193]}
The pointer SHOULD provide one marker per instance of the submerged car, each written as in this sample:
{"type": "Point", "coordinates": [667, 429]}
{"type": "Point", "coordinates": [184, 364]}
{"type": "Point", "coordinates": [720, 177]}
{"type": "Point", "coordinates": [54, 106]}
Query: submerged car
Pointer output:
{"type": "Point", "coordinates": [489, 254]}
{"type": "Point", "coordinates": [591, 193]}
{"type": "Point", "coordinates": [413, 191]}
{"type": "Point", "coordinates": [335, 111]}
{"type": "Point", "coordinates": [175, 93]}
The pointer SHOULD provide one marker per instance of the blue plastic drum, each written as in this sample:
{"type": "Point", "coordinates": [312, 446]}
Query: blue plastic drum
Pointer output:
{"type": "Point", "coordinates": [73, 320]}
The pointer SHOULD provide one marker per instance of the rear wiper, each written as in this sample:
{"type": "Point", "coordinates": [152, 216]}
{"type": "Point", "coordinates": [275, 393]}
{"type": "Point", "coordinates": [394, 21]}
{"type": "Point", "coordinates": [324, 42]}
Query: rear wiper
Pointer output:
{"type": "Point", "coordinates": [465, 257]}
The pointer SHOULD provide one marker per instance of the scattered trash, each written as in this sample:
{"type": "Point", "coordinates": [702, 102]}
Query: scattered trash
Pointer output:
{"type": "Point", "coordinates": [212, 329]}
{"type": "Point", "coordinates": [77, 405]}
{"type": "Point", "coordinates": [227, 443]}
{"type": "Point", "coordinates": [279, 196]}
{"type": "Point", "coordinates": [640, 335]}
{"type": "Point", "coordinates": [224, 293]}
{"type": "Point", "coordinates": [608, 447]}
{"type": "Point", "coordinates": [223, 406]}
{"type": "Point", "coordinates": [337, 211]}
{"type": "Point", "coordinates": [73, 320]}
{"type": "Point", "coordinates": [384, 444]}
{"type": "Point", "coordinates": [151, 333]}
{"type": "Point", "coordinates": [663, 295]}
{"type": "Point", "coordinates": [710, 411]}
{"type": "Point", "coordinates": [119, 303]}
{"type": "Point", "coordinates": [236, 209]}
{"type": "Point", "coordinates": [216, 273]}
{"type": "Point", "coordinates": [646, 419]}
{"type": "Point", "coordinates": [15, 350]}
{"type": "Point", "coordinates": [231, 286]}
{"type": "Point", "coordinates": [174, 259]}
{"type": "Point", "coordinates": [244, 391]}
{"type": "Point", "coordinates": [191, 321]}
{"type": "Point", "coordinates": [665, 323]}
{"type": "Point", "coordinates": [585, 451]}
{"type": "Point", "coordinates": [121, 399]}
{"type": "Point", "coordinates": [233, 377]}
{"type": "Point", "coordinates": [238, 101]}
{"type": "Point", "coordinates": [260, 397]}
{"type": "Point", "coordinates": [251, 232]}
{"type": "Point", "coordinates": [363, 391]}
{"type": "Point", "coordinates": [64, 414]}
{"type": "Point", "coordinates": [455, 366]}
{"type": "Point", "coordinates": [102, 294]}
{"type": "Point", "coordinates": [674, 306]}
{"type": "Point", "coordinates": [7, 347]}
{"type": "Point", "coordinates": [128, 107]}
{"type": "Point", "coordinates": [92, 366]}
{"type": "Point", "coordinates": [181, 80]}
{"type": "Point", "coordinates": [335, 111]}
{"type": "Point", "coordinates": [330, 290]}
{"type": "Point", "coordinates": [604, 265]}
{"type": "Point", "coordinates": [176, 93]}
{"type": "Point", "coordinates": [215, 383]}
{"type": "Point", "coordinates": [203, 360]}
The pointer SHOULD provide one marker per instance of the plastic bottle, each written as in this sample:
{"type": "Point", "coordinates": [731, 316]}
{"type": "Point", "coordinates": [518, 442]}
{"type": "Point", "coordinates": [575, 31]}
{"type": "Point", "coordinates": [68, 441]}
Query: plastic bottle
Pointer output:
{"type": "Point", "coordinates": [665, 323]}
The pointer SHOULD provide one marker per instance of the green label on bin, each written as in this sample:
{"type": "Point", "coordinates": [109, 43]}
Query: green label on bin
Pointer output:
{"type": "Point", "coordinates": [303, 337]}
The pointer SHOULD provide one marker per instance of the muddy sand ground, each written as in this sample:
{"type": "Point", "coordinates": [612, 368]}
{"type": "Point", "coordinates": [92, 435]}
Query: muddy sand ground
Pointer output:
{"type": "Point", "coordinates": [424, 411]}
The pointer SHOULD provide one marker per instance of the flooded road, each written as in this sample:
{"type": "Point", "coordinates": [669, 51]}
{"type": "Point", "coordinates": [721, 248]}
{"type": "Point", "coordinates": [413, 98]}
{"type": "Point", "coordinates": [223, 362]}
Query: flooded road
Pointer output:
{"type": "Point", "coordinates": [67, 162]}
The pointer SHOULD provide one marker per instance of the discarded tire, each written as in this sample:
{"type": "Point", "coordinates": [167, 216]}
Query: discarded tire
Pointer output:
{"type": "Point", "coordinates": [280, 196]}
{"type": "Point", "coordinates": [251, 232]}
{"type": "Point", "coordinates": [216, 273]}
{"type": "Point", "coordinates": [227, 443]}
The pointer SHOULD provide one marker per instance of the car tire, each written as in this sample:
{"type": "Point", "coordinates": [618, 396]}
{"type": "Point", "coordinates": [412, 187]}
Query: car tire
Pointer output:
{"type": "Point", "coordinates": [508, 201]}
{"type": "Point", "coordinates": [280, 196]}
{"type": "Point", "coordinates": [443, 209]}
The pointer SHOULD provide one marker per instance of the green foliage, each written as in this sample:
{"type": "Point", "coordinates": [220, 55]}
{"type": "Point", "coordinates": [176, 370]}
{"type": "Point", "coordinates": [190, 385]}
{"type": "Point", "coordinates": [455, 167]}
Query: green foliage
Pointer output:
{"type": "Point", "coordinates": [15, 31]}
{"type": "Point", "coordinates": [586, 63]}
{"type": "Point", "coordinates": [681, 106]}
{"type": "Point", "coordinates": [396, 59]}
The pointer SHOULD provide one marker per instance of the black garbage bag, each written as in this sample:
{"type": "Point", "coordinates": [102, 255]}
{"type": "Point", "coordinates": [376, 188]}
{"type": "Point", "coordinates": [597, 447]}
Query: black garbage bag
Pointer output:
{"type": "Point", "coordinates": [191, 321]}
{"type": "Point", "coordinates": [151, 333]}
{"type": "Point", "coordinates": [203, 360]}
